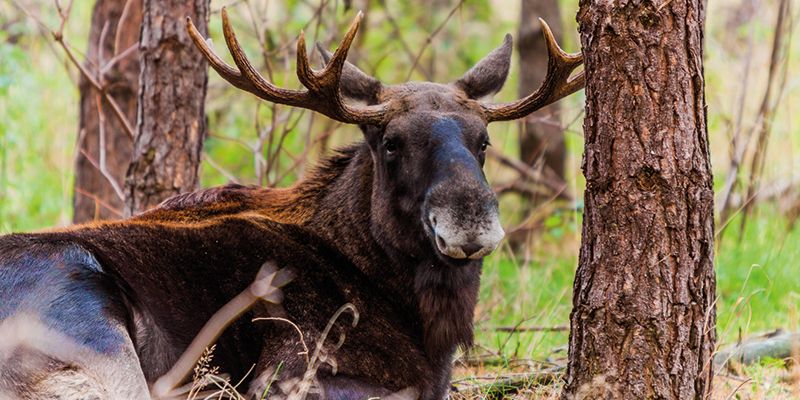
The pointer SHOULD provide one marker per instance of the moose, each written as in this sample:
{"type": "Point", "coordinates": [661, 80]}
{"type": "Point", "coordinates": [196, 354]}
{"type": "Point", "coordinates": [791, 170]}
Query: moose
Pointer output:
{"type": "Point", "coordinates": [397, 225]}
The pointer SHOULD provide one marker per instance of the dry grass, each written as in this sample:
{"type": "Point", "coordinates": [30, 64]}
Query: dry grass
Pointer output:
{"type": "Point", "coordinates": [758, 383]}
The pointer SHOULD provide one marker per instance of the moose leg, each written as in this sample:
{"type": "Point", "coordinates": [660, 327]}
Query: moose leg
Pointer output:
{"type": "Point", "coordinates": [63, 324]}
{"type": "Point", "coordinates": [37, 362]}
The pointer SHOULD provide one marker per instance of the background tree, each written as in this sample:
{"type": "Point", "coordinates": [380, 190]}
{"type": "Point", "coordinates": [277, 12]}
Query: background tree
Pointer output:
{"type": "Point", "coordinates": [643, 319]}
{"type": "Point", "coordinates": [171, 123]}
{"type": "Point", "coordinates": [112, 57]}
{"type": "Point", "coordinates": [542, 150]}
{"type": "Point", "coordinates": [541, 136]}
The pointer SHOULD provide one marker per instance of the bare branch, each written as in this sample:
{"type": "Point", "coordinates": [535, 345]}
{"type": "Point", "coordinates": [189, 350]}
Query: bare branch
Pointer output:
{"type": "Point", "coordinates": [430, 37]}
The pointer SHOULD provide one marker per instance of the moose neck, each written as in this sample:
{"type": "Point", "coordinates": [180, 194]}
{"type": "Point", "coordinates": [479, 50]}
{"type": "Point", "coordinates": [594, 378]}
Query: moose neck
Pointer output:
{"type": "Point", "coordinates": [445, 295]}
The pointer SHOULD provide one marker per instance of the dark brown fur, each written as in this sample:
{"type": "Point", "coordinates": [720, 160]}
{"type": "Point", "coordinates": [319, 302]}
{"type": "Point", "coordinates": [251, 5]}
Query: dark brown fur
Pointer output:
{"type": "Point", "coordinates": [357, 230]}
{"type": "Point", "coordinates": [217, 240]}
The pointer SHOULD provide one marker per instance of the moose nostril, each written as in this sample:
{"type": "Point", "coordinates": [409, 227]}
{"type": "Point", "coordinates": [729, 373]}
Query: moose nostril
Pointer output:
{"type": "Point", "coordinates": [440, 242]}
{"type": "Point", "coordinates": [471, 248]}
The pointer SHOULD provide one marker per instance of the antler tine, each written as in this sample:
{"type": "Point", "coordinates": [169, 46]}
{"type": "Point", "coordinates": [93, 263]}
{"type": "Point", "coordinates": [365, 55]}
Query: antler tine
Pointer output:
{"type": "Point", "coordinates": [557, 84]}
{"type": "Point", "coordinates": [226, 71]}
{"type": "Point", "coordinates": [336, 63]}
{"type": "Point", "coordinates": [325, 84]}
{"type": "Point", "coordinates": [246, 78]}
{"type": "Point", "coordinates": [566, 60]}
{"type": "Point", "coordinates": [332, 70]}
{"type": "Point", "coordinates": [305, 74]}
{"type": "Point", "coordinates": [258, 85]}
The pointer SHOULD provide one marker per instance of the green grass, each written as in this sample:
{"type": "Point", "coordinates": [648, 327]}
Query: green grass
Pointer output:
{"type": "Point", "coordinates": [37, 134]}
{"type": "Point", "coordinates": [758, 281]}
{"type": "Point", "coordinates": [757, 284]}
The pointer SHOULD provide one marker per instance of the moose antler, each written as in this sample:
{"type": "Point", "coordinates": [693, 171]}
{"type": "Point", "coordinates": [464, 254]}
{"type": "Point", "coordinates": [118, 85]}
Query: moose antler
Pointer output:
{"type": "Point", "coordinates": [557, 84]}
{"type": "Point", "coordinates": [322, 87]}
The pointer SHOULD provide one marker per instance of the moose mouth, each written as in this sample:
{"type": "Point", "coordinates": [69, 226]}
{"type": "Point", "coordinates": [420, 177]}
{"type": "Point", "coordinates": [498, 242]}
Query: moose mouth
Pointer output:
{"type": "Point", "coordinates": [458, 247]}
{"type": "Point", "coordinates": [449, 260]}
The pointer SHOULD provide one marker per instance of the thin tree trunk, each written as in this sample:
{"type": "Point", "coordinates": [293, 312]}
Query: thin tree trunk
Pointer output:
{"type": "Point", "coordinates": [171, 122]}
{"type": "Point", "coordinates": [643, 319]}
{"type": "Point", "coordinates": [541, 135]}
{"type": "Point", "coordinates": [111, 34]}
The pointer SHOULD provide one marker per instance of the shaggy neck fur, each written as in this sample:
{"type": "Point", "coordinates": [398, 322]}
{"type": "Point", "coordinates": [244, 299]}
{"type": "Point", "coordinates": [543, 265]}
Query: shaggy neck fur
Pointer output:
{"type": "Point", "coordinates": [335, 202]}
{"type": "Point", "coordinates": [445, 296]}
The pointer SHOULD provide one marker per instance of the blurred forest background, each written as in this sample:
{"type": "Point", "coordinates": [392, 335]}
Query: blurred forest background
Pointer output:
{"type": "Point", "coordinates": [752, 66]}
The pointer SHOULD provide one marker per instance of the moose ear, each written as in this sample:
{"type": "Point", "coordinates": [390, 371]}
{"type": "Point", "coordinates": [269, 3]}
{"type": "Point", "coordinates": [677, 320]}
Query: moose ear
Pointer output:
{"type": "Point", "coordinates": [355, 84]}
{"type": "Point", "coordinates": [489, 74]}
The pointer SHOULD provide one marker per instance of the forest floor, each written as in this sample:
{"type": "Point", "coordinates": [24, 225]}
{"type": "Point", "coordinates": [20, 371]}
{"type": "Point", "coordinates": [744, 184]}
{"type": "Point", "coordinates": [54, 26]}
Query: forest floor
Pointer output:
{"type": "Point", "coordinates": [523, 315]}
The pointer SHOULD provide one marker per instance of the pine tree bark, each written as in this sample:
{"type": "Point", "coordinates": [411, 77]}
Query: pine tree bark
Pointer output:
{"type": "Point", "coordinates": [94, 196]}
{"type": "Point", "coordinates": [541, 135]}
{"type": "Point", "coordinates": [643, 319]}
{"type": "Point", "coordinates": [171, 122]}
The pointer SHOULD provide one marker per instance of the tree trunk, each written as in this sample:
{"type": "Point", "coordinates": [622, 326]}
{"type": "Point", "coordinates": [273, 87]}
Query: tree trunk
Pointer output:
{"type": "Point", "coordinates": [94, 196]}
{"type": "Point", "coordinates": [171, 122]}
{"type": "Point", "coordinates": [643, 318]}
{"type": "Point", "coordinates": [541, 135]}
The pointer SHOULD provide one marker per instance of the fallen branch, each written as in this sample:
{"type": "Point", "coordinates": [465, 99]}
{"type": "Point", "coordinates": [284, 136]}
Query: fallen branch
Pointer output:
{"type": "Point", "coordinates": [557, 328]}
{"type": "Point", "coordinates": [503, 362]}
{"type": "Point", "coordinates": [778, 344]}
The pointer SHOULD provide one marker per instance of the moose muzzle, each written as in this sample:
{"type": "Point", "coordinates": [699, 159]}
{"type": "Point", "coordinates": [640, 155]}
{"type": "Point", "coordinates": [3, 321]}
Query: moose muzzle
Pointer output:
{"type": "Point", "coordinates": [463, 235]}
{"type": "Point", "coordinates": [462, 216]}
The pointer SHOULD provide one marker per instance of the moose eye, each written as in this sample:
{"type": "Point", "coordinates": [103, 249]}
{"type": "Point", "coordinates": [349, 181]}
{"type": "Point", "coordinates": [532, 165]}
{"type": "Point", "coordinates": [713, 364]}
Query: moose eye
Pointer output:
{"type": "Point", "coordinates": [485, 145]}
{"type": "Point", "coordinates": [390, 146]}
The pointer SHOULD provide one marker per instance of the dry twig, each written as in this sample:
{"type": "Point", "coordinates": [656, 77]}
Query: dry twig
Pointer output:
{"type": "Point", "coordinates": [267, 286]}
{"type": "Point", "coordinates": [504, 385]}
{"type": "Point", "coordinates": [766, 111]}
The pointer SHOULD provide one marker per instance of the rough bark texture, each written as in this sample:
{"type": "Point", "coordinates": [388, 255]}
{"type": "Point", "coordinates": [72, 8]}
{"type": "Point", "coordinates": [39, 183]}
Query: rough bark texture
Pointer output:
{"type": "Point", "coordinates": [171, 122]}
{"type": "Point", "coordinates": [94, 197]}
{"type": "Point", "coordinates": [541, 136]}
{"type": "Point", "coordinates": [643, 319]}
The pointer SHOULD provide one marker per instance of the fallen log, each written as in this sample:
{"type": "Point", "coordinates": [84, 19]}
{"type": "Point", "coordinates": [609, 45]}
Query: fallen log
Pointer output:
{"type": "Point", "coordinates": [778, 344]}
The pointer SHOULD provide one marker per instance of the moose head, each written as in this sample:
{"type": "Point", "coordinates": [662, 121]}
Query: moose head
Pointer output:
{"type": "Point", "coordinates": [428, 140]}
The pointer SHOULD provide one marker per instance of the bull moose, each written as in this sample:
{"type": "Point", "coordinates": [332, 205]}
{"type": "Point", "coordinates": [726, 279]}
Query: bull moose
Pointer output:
{"type": "Point", "coordinates": [397, 225]}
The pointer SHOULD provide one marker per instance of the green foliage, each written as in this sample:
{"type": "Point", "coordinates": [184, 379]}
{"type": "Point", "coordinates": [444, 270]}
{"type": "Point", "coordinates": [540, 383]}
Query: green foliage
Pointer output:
{"type": "Point", "coordinates": [37, 128]}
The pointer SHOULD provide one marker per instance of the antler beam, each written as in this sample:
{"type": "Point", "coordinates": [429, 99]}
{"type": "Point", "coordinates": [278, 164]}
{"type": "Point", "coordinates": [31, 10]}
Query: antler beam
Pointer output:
{"type": "Point", "coordinates": [322, 87]}
{"type": "Point", "coordinates": [557, 84]}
